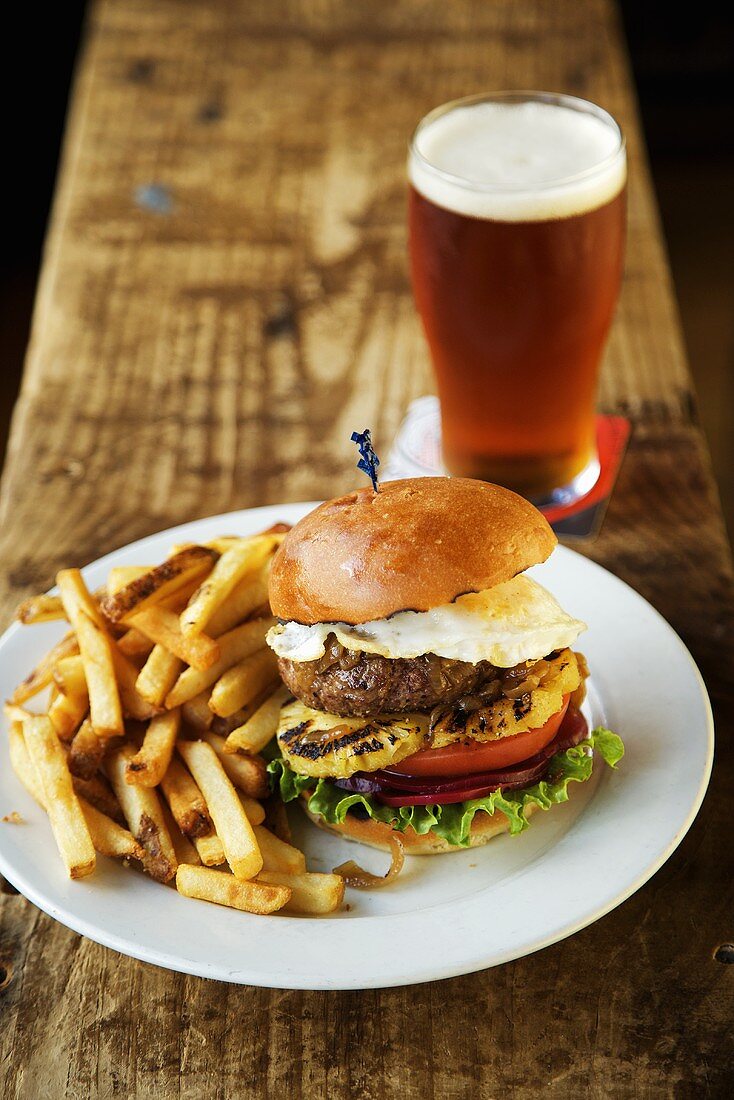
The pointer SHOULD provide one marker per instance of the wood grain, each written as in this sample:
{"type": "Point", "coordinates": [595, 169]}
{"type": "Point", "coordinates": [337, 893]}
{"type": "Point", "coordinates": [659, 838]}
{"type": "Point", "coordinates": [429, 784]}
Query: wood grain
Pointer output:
{"type": "Point", "coordinates": [224, 298]}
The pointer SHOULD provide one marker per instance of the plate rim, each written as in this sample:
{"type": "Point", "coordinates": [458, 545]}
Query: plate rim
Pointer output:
{"type": "Point", "coordinates": [178, 963]}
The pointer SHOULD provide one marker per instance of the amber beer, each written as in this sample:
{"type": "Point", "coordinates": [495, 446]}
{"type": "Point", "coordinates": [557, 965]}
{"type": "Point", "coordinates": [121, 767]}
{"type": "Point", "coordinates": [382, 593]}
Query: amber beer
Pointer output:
{"type": "Point", "coordinates": [517, 222]}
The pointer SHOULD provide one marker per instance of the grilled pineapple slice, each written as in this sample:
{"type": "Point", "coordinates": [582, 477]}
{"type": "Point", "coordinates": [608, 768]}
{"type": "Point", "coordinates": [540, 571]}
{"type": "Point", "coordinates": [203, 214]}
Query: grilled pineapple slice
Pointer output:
{"type": "Point", "coordinates": [325, 745]}
{"type": "Point", "coordinates": [504, 717]}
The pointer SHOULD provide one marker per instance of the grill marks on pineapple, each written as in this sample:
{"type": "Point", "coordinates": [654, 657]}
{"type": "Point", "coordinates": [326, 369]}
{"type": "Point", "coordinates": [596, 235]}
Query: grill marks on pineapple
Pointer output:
{"type": "Point", "coordinates": [300, 745]}
{"type": "Point", "coordinates": [321, 744]}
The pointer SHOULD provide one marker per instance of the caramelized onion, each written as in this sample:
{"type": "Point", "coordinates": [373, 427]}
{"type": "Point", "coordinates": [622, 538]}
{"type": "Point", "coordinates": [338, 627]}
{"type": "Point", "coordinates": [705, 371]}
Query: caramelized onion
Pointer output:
{"type": "Point", "coordinates": [468, 704]}
{"type": "Point", "coordinates": [356, 876]}
{"type": "Point", "coordinates": [525, 677]}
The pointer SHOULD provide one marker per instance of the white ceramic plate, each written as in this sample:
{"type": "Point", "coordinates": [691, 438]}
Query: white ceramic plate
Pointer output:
{"type": "Point", "coordinates": [445, 915]}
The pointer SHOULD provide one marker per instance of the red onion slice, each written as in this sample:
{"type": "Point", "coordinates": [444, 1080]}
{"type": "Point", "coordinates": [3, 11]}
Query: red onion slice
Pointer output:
{"type": "Point", "coordinates": [394, 799]}
{"type": "Point", "coordinates": [517, 775]}
{"type": "Point", "coordinates": [359, 784]}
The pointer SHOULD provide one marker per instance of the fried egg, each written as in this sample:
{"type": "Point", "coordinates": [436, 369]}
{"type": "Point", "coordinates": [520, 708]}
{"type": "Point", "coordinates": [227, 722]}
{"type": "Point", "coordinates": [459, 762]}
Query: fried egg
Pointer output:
{"type": "Point", "coordinates": [516, 621]}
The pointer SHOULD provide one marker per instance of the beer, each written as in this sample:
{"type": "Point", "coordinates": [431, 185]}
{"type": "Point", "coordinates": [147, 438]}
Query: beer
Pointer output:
{"type": "Point", "coordinates": [517, 220]}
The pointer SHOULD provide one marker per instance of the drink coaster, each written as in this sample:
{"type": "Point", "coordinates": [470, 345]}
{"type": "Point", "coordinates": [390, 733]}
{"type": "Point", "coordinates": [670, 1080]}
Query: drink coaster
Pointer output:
{"type": "Point", "coordinates": [416, 452]}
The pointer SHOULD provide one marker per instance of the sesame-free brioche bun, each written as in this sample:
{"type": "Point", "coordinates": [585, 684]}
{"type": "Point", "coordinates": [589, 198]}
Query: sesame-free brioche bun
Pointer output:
{"type": "Point", "coordinates": [415, 544]}
{"type": "Point", "coordinates": [377, 833]}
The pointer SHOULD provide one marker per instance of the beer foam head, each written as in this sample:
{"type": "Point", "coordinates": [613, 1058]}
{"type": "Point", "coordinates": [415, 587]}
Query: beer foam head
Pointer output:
{"type": "Point", "coordinates": [510, 160]}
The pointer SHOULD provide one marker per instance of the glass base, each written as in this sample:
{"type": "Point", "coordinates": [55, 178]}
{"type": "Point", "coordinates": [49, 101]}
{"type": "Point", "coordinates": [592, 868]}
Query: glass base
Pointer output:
{"type": "Point", "coordinates": [416, 452]}
{"type": "Point", "coordinates": [582, 484]}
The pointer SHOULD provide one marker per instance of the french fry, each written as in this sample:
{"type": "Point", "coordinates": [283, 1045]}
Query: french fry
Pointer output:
{"type": "Point", "coordinates": [23, 766]}
{"type": "Point", "coordinates": [42, 674]}
{"type": "Point", "coordinates": [179, 547]}
{"type": "Point", "coordinates": [121, 575]}
{"type": "Point", "coordinates": [210, 850]}
{"type": "Point", "coordinates": [186, 801]}
{"type": "Point", "coordinates": [62, 805]}
{"type": "Point", "coordinates": [163, 627]}
{"type": "Point", "coordinates": [279, 528]}
{"type": "Point", "coordinates": [234, 646]}
{"type": "Point", "coordinates": [158, 652]}
{"type": "Point", "coordinates": [144, 816]}
{"type": "Point", "coordinates": [76, 597]}
{"type": "Point", "coordinates": [230, 820]}
{"type": "Point", "coordinates": [41, 609]}
{"type": "Point", "coordinates": [109, 838]}
{"type": "Point", "coordinates": [278, 856]}
{"type": "Point", "coordinates": [133, 703]}
{"type": "Point", "coordinates": [95, 646]}
{"type": "Point", "coordinates": [134, 644]}
{"type": "Point", "coordinates": [310, 892]}
{"type": "Point", "coordinates": [46, 608]}
{"type": "Point", "coordinates": [260, 729]}
{"type": "Point", "coordinates": [67, 712]}
{"type": "Point", "coordinates": [189, 809]}
{"type": "Point", "coordinates": [159, 583]}
{"type": "Point", "coordinates": [224, 542]}
{"type": "Point", "coordinates": [242, 557]}
{"type": "Point", "coordinates": [69, 676]}
{"type": "Point", "coordinates": [254, 810]}
{"type": "Point", "coordinates": [158, 676]}
{"type": "Point", "coordinates": [105, 707]}
{"type": "Point", "coordinates": [182, 846]}
{"type": "Point", "coordinates": [149, 765]}
{"type": "Point", "coordinates": [178, 600]}
{"type": "Point", "coordinates": [97, 791]}
{"type": "Point", "coordinates": [248, 595]}
{"type": "Point", "coordinates": [249, 773]}
{"type": "Point", "coordinates": [193, 815]}
{"type": "Point", "coordinates": [14, 713]}
{"type": "Point", "coordinates": [224, 889]}
{"type": "Point", "coordinates": [242, 683]}
{"type": "Point", "coordinates": [197, 713]}
{"type": "Point", "coordinates": [87, 751]}
{"type": "Point", "coordinates": [224, 726]}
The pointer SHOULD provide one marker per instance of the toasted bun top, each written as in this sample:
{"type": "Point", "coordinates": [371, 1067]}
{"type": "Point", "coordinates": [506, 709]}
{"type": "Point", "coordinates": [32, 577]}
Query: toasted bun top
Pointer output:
{"type": "Point", "coordinates": [416, 544]}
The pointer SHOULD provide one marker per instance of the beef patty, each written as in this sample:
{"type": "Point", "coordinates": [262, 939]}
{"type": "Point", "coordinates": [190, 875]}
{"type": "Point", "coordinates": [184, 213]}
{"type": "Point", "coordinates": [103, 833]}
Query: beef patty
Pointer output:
{"type": "Point", "coordinates": [357, 684]}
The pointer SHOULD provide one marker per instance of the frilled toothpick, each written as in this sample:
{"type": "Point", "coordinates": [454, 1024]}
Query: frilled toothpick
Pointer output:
{"type": "Point", "coordinates": [369, 461]}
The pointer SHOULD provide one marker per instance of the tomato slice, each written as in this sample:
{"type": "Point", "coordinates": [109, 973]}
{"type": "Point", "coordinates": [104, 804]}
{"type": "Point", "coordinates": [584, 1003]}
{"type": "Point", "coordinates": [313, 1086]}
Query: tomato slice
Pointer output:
{"type": "Point", "coordinates": [479, 757]}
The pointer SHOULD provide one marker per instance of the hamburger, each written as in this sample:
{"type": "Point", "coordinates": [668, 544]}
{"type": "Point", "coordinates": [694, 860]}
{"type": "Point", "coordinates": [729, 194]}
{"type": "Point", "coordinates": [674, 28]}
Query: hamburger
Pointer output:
{"type": "Point", "coordinates": [436, 693]}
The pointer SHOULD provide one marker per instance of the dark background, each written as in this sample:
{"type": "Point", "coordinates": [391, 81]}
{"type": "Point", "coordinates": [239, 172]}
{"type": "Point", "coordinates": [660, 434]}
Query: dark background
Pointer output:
{"type": "Point", "coordinates": [684, 70]}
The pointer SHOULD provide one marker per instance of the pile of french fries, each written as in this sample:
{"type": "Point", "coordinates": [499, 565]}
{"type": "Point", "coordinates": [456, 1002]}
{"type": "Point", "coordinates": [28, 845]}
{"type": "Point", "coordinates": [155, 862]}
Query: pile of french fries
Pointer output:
{"type": "Point", "coordinates": [159, 701]}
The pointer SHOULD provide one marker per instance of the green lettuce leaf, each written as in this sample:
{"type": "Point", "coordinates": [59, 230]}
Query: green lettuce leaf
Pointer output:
{"type": "Point", "coordinates": [453, 822]}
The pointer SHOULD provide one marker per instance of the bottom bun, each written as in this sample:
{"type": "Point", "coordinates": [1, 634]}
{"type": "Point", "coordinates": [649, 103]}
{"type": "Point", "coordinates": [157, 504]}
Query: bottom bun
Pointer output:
{"type": "Point", "coordinates": [377, 833]}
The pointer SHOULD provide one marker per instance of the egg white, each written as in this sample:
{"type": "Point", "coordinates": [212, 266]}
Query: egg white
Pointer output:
{"type": "Point", "coordinates": [512, 622]}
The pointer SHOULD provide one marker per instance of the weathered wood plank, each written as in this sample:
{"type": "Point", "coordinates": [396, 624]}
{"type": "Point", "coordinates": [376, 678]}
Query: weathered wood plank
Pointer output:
{"type": "Point", "coordinates": [224, 297]}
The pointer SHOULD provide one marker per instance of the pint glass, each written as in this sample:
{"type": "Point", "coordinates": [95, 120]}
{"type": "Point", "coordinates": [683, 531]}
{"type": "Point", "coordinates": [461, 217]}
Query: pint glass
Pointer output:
{"type": "Point", "coordinates": [517, 224]}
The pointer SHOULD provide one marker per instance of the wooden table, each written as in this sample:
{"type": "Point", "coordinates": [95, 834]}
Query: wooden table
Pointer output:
{"type": "Point", "coordinates": [223, 299]}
